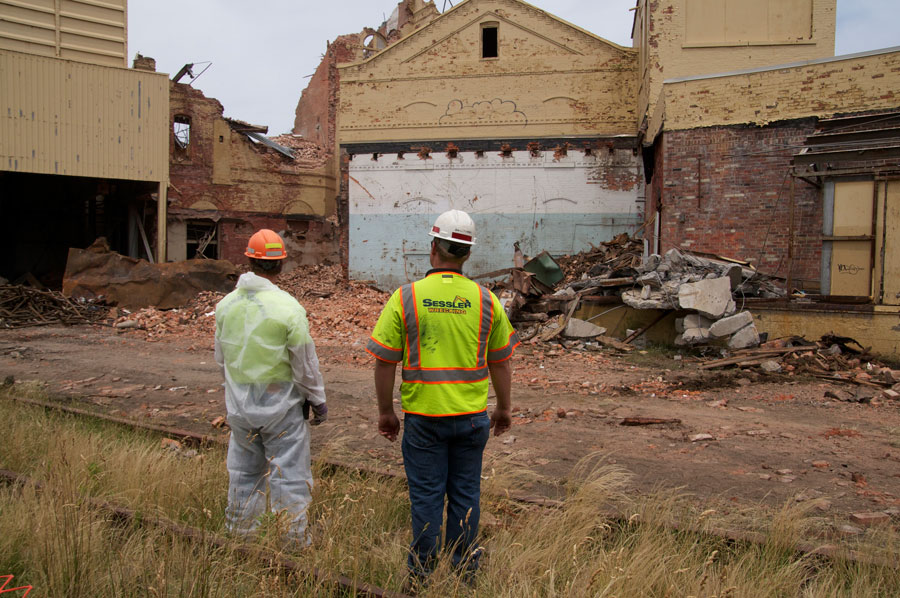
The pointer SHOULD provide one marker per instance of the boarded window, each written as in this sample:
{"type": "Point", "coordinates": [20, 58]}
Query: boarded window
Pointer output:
{"type": "Point", "coordinates": [735, 22]}
{"type": "Point", "coordinates": [848, 237]}
{"type": "Point", "coordinates": [489, 45]}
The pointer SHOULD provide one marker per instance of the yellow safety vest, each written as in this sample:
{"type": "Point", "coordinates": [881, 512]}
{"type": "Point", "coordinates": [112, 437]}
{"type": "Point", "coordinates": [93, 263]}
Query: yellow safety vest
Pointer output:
{"type": "Point", "coordinates": [445, 329]}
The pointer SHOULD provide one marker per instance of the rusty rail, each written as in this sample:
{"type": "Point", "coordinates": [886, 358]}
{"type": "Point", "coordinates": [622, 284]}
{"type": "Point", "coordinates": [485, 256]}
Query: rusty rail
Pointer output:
{"type": "Point", "coordinates": [829, 551]}
{"type": "Point", "coordinates": [126, 515]}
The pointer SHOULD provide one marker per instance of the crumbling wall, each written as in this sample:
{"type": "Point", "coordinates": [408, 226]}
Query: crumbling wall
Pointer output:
{"type": "Point", "coordinates": [726, 190]}
{"type": "Point", "coordinates": [314, 117]}
{"type": "Point", "coordinates": [224, 177]}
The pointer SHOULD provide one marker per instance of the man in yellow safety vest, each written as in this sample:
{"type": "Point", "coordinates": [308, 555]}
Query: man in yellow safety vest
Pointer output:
{"type": "Point", "coordinates": [450, 334]}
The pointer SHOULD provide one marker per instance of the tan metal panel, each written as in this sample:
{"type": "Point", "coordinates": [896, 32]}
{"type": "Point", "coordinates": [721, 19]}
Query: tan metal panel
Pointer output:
{"type": "Point", "coordinates": [82, 120]}
{"type": "Point", "coordinates": [851, 268]}
{"type": "Point", "coordinates": [878, 270]}
{"type": "Point", "coordinates": [790, 20]}
{"type": "Point", "coordinates": [704, 21]}
{"type": "Point", "coordinates": [892, 245]}
{"type": "Point", "coordinates": [746, 20]}
{"type": "Point", "coordinates": [92, 31]}
{"type": "Point", "coordinates": [853, 208]}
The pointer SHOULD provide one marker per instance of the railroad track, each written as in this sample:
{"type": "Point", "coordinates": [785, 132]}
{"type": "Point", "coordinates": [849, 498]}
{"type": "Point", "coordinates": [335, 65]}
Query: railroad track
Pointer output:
{"type": "Point", "coordinates": [195, 439]}
{"type": "Point", "coordinates": [128, 516]}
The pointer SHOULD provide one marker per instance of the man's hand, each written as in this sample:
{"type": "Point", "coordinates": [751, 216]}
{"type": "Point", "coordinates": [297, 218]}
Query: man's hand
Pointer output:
{"type": "Point", "coordinates": [501, 420]}
{"type": "Point", "coordinates": [320, 414]}
{"type": "Point", "coordinates": [389, 425]}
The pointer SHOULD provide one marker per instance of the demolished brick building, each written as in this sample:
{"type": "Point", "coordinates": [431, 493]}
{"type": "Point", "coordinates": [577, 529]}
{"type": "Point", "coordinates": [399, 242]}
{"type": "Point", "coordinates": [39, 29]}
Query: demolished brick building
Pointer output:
{"type": "Point", "coordinates": [494, 107]}
{"type": "Point", "coordinates": [227, 179]}
{"type": "Point", "coordinates": [707, 116]}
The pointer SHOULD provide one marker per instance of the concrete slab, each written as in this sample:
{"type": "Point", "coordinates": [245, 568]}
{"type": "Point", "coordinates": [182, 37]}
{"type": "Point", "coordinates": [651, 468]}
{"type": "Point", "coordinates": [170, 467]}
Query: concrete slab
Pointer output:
{"type": "Point", "coordinates": [708, 297]}
{"type": "Point", "coordinates": [746, 337]}
{"type": "Point", "coordinates": [582, 329]}
{"type": "Point", "coordinates": [730, 325]}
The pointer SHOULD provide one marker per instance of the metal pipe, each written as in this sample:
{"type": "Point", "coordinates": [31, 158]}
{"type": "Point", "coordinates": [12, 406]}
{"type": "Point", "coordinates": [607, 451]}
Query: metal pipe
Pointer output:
{"type": "Point", "coordinates": [790, 272]}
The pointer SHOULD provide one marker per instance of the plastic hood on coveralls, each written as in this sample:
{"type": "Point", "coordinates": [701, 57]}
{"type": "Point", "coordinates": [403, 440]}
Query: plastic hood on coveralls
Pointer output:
{"type": "Point", "coordinates": [267, 371]}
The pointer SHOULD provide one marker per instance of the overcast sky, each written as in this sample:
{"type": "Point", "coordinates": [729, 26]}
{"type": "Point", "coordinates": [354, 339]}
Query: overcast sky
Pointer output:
{"type": "Point", "coordinates": [262, 51]}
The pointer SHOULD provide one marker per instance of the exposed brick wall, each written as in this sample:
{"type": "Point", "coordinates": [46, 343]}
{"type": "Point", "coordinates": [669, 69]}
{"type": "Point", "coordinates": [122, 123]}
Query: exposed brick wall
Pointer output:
{"type": "Point", "coordinates": [726, 190]}
{"type": "Point", "coordinates": [314, 117]}
{"type": "Point", "coordinates": [308, 242]}
{"type": "Point", "coordinates": [224, 176]}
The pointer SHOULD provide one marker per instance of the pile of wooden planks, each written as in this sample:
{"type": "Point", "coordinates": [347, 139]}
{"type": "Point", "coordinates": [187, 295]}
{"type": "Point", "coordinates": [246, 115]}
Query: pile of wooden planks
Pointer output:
{"type": "Point", "coordinates": [22, 306]}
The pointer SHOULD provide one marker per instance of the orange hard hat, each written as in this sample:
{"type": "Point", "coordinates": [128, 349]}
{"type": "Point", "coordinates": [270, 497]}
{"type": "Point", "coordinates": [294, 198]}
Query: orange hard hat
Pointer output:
{"type": "Point", "coordinates": [265, 244]}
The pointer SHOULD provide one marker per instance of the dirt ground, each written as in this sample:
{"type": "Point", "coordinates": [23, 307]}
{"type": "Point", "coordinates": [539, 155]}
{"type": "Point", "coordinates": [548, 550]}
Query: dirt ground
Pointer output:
{"type": "Point", "coordinates": [773, 439]}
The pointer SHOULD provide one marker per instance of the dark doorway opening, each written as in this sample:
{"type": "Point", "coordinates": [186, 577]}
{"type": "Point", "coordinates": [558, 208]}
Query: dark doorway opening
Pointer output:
{"type": "Point", "coordinates": [42, 216]}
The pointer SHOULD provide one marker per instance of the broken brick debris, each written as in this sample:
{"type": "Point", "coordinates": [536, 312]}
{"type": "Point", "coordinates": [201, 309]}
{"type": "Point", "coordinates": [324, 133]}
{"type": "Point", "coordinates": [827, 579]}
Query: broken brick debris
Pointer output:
{"type": "Point", "coordinates": [830, 358]}
{"type": "Point", "coordinates": [336, 309]}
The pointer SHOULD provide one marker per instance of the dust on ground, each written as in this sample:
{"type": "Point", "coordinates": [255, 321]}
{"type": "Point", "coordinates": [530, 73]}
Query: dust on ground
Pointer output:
{"type": "Point", "coordinates": [741, 436]}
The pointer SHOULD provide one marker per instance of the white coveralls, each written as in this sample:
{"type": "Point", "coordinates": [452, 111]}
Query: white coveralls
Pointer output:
{"type": "Point", "coordinates": [270, 366]}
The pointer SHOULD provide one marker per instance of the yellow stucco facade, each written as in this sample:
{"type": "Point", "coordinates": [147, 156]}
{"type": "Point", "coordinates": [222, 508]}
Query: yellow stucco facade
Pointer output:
{"type": "Point", "coordinates": [681, 38]}
{"type": "Point", "coordinates": [549, 79]}
{"type": "Point", "coordinates": [819, 88]}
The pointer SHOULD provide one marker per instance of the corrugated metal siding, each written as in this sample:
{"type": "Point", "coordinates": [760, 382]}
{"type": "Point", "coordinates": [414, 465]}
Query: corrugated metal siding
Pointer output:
{"type": "Point", "coordinates": [71, 118]}
{"type": "Point", "coordinates": [91, 31]}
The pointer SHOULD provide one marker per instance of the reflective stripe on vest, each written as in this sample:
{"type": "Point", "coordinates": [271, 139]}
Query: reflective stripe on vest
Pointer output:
{"type": "Point", "coordinates": [413, 372]}
{"type": "Point", "coordinates": [384, 352]}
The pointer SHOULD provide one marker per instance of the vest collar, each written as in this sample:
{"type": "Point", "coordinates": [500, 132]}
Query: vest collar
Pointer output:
{"type": "Point", "coordinates": [437, 270]}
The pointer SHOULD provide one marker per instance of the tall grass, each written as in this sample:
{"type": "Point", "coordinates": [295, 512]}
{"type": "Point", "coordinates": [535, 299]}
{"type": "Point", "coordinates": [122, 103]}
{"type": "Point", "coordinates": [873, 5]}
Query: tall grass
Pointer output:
{"type": "Point", "coordinates": [57, 542]}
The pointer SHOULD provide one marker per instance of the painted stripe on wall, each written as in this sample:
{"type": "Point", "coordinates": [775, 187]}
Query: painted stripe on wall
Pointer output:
{"type": "Point", "coordinates": [561, 206]}
{"type": "Point", "coordinates": [393, 249]}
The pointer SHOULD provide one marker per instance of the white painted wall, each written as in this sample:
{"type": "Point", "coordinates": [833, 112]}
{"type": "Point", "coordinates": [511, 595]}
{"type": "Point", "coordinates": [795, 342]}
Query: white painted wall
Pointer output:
{"type": "Point", "coordinates": [558, 205]}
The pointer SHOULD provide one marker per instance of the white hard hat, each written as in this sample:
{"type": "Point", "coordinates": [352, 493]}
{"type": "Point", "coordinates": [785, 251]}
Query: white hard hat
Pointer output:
{"type": "Point", "coordinates": [455, 226]}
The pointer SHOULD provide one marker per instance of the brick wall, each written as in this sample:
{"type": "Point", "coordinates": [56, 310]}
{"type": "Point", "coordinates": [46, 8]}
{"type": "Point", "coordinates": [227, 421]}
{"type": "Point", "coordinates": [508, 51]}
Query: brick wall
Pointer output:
{"type": "Point", "coordinates": [726, 190]}
{"type": "Point", "coordinates": [314, 117]}
{"type": "Point", "coordinates": [225, 177]}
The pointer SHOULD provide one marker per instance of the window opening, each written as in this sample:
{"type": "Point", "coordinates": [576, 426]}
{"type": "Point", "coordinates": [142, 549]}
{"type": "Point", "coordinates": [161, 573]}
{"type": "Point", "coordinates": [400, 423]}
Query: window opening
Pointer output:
{"type": "Point", "coordinates": [202, 242]}
{"type": "Point", "coordinates": [181, 127]}
{"type": "Point", "coordinates": [489, 46]}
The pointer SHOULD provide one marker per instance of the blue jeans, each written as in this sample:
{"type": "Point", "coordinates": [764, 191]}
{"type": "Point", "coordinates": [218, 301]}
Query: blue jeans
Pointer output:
{"type": "Point", "coordinates": [442, 457]}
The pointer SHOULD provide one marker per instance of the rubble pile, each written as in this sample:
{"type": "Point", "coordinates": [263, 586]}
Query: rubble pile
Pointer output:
{"type": "Point", "coordinates": [704, 288]}
{"type": "Point", "coordinates": [832, 358]}
{"type": "Point", "coordinates": [618, 257]}
{"type": "Point", "coordinates": [195, 320]}
{"type": "Point", "coordinates": [307, 152]}
{"type": "Point", "coordinates": [22, 306]}
{"type": "Point", "coordinates": [336, 310]}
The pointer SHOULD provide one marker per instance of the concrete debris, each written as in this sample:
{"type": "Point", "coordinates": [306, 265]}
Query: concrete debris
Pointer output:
{"type": "Point", "coordinates": [576, 328]}
{"type": "Point", "coordinates": [710, 297]}
{"type": "Point", "coordinates": [746, 337]}
{"type": "Point", "coordinates": [730, 325]}
{"type": "Point", "coordinates": [653, 300]}
{"type": "Point", "coordinates": [771, 366]}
